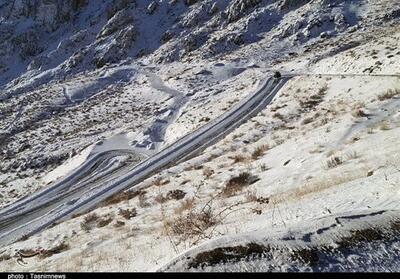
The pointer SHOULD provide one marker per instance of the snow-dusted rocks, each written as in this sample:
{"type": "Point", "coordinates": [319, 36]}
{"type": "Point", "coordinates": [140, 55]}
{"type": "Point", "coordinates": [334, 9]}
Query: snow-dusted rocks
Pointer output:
{"type": "Point", "coordinates": [116, 22]}
{"type": "Point", "coordinates": [238, 8]}
{"type": "Point", "coordinates": [28, 43]}
{"type": "Point", "coordinates": [152, 7]}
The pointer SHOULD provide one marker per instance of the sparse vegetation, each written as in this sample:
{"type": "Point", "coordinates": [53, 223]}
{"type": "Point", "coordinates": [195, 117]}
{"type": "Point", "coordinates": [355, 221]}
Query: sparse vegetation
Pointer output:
{"type": "Point", "coordinates": [238, 158]}
{"type": "Point", "coordinates": [259, 151]}
{"type": "Point", "coordinates": [161, 181]}
{"type": "Point", "coordinates": [236, 183]}
{"type": "Point", "coordinates": [334, 161]}
{"type": "Point", "coordinates": [143, 199]}
{"type": "Point", "coordinates": [104, 221]}
{"type": "Point", "coordinates": [225, 254]}
{"type": "Point", "coordinates": [359, 113]}
{"type": "Point", "coordinates": [263, 167]}
{"type": "Point", "coordinates": [122, 196]}
{"type": "Point", "coordinates": [88, 221]}
{"type": "Point", "coordinates": [119, 224]}
{"type": "Point", "coordinates": [127, 213]}
{"type": "Point", "coordinates": [192, 224]}
{"type": "Point", "coordinates": [61, 247]}
{"type": "Point", "coordinates": [175, 194]}
{"type": "Point", "coordinates": [171, 195]}
{"type": "Point", "coordinates": [187, 204]}
{"type": "Point", "coordinates": [389, 94]}
{"type": "Point", "coordinates": [207, 172]}
{"type": "Point", "coordinates": [306, 256]}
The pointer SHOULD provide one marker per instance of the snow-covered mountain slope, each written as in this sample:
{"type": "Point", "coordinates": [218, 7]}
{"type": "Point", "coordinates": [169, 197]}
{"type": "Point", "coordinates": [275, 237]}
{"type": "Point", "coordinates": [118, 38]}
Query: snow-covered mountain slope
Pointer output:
{"type": "Point", "coordinates": [310, 183]}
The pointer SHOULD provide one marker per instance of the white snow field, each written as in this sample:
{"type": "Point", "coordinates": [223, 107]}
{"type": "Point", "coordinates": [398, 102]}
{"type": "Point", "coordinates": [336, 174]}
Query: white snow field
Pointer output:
{"type": "Point", "coordinates": [152, 135]}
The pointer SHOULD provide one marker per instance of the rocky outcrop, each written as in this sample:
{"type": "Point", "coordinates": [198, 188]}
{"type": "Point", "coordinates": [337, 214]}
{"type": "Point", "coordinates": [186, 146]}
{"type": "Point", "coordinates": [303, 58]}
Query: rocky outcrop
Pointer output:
{"type": "Point", "coordinates": [191, 2]}
{"type": "Point", "coordinates": [239, 7]}
{"type": "Point", "coordinates": [48, 13]}
{"type": "Point", "coordinates": [28, 43]}
{"type": "Point", "coordinates": [292, 4]}
{"type": "Point", "coordinates": [117, 49]}
{"type": "Point", "coordinates": [152, 7]}
{"type": "Point", "coordinates": [118, 21]}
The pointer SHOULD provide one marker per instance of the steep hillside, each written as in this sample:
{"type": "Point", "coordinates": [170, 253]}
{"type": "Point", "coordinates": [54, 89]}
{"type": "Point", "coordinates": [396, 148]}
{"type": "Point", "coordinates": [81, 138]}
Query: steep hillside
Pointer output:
{"type": "Point", "coordinates": [309, 184]}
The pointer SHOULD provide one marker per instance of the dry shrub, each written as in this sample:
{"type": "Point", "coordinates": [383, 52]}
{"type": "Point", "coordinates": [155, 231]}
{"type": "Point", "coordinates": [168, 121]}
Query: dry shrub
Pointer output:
{"type": "Point", "coordinates": [239, 158]}
{"type": "Point", "coordinates": [264, 167]}
{"type": "Point", "coordinates": [171, 195]}
{"type": "Point", "coordinates": [160, 198]}
{"type": "Point", "coordinates": [251, 196]}
{"type": "Point", "coordinates": [88, 221]}
{"type": "Point", "coordinates": [193, 223]}
{"type": "Point", "coordinates": [306, 256]}
{"type": "Point", "coordinates": [322, 90]}
{"type": "Point", "coordinates": [119, 224]}
{"type": "Point", "coordinates": [389, 94]}
{"type": "Point", "coordinates": [236, 183]}
{"type": "Point", "coordinates": [333, 162]}
{"type": "Point", "coordinates": [143, 199]}
{"type": "Point", "coordinates": [122, 196]}
{"type": "Point", "coordinates": [161, 181]}
{"type": "Point", "coordinates": [357, 236]}
{"type": "Point", "coordinates": [207, 172]}
{"type": "Point", "coordinates": [263, 200]}
{"type": "Point", "coordinates": [358, 113]}
{"type": "Point", "coordinates": [279, 116]}
{"type": "Point", "coordinates": [175, 194]}
{"type": "Point", "coordinates": [127, 213]}
{"type": "Point", "coordinates": [228, 254]}
{"type": "Point", "coordinates": [90, 218]}
{"type": "Point", "coordinates": [187, 204]}
{"type": "Point", "coordinates": [352, 155]}
{"type": "Point", "coordinates": [259, 151]}
{"type": "Point", "coordinates": [104, 221]}
{"type": "Point", "coordinates": [313, 100]}
{"type": "Point", "coordinates": [23, 237]}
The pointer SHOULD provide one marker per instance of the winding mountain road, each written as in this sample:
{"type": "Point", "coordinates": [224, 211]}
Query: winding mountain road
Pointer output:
{"type": "Point", "coordinates": [102, 176]}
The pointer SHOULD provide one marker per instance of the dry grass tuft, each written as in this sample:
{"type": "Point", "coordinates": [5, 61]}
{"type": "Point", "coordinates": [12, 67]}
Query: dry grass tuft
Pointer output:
{"type": "Point", "coordinates": [161, 181]}
{"type": "Point", "coordinates": [88, 221]}
{"type": "Point", "coordinates": [193, 223]}
{"type": "Point", "coordinates": [171, 195]}
{"type": "Point", "coordinates": [122, 196]}
{"type": "Point", "coordinates": [143, 199]}
{"type": "Point", "coordinates": [104, 221]}
{"type": "Point", "coordinates": [259, 151]}
{"type": "Point", "coordinates": [185, 205]}
{"type": "Point", "coordinates": [239, 158]}
{"type": "Point", "coordinates": [358, 113]}
{"type": "Point", "coordinates": [389, 94]}
{"type": "Point", "coordinates": [207, 172]}
{"type": "Point", "coordinates": [237, 183]}
{"type": "Point", "coordinates": [333, 162]}
{"type": "Point", "coordinates": [127, 213]}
